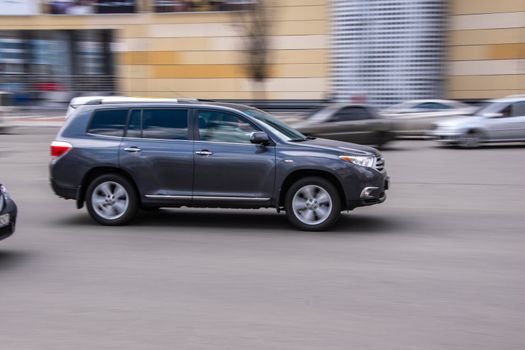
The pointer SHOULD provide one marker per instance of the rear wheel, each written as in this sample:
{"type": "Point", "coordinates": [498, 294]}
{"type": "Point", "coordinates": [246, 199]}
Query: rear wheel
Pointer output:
{"type": "Point", "coordinates": [111, 200]}
{"type": "Point", "coordinates": [312, 204]}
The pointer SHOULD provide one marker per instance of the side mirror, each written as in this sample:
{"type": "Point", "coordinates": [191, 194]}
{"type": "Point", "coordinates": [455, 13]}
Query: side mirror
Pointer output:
{"type": "Point", "coordinates": [259, 138]}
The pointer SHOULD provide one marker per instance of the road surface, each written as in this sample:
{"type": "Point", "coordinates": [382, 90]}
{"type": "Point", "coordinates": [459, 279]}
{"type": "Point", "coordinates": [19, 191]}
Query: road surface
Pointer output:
{"type": "Point", "coordinates": [439, 265]}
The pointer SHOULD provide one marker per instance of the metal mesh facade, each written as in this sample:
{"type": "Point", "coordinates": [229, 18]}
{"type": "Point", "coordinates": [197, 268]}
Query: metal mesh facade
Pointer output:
{"type": "Point", "coordinates": [387, 51]}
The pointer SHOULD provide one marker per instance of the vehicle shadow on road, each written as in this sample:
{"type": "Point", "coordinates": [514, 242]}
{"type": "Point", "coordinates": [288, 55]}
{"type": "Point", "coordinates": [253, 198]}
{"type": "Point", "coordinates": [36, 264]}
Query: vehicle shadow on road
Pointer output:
{"type": "Point", "coordinates": [10, 258]}
{"type": "Point", "coordinates": [249, 220]}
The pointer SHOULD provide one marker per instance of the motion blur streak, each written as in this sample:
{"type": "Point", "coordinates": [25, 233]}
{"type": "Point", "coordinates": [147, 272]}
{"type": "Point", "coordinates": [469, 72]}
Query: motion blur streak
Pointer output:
{"type": "Point", "coordinates": [438, 266]}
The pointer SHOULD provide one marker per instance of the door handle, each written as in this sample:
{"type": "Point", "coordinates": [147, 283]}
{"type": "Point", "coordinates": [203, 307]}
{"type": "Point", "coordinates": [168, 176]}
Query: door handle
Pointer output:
{"type": "Point", "coordinates": [132, 149]}
{"type": "Point", "coordinates": [204, 152]}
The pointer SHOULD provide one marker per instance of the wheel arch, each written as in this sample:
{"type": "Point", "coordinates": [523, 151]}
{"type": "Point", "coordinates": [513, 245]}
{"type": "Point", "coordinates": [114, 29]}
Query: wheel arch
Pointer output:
{"type": "Point", "coordinates": [102, 170]}
{"type": "Point", "coordinates": [301, 173]}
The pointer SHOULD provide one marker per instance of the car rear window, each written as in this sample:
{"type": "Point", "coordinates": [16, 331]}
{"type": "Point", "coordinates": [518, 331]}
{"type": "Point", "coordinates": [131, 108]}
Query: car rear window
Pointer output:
{"type": "Point", "coordinates": [109, 122]}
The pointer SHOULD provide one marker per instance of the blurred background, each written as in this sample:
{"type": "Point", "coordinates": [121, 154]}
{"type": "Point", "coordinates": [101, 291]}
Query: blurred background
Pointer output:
{"type": "Point", "coordinates": [283, 54]}
{"type": "Point", "coordinates": [438, 266]}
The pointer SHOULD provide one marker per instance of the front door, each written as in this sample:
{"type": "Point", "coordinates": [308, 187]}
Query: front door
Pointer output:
{"type": "Point", "coordinates": [505, 125]}
{"type": "Point", "coordinates": [228, 167]}
{"type": "Point", "coordinates": [158, 152]}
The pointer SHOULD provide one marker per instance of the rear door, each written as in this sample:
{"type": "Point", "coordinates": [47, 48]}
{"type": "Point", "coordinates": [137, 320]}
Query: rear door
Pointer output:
{"type": "Point", "coordinates": [228, 167]}
{"type": "Point", "coordinates": [157, 151]}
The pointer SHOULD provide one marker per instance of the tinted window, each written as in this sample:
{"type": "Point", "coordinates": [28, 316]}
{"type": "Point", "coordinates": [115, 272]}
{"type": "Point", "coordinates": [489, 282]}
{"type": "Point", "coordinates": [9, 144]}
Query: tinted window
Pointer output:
{"type": "Point", "coordinates": [432, 105]}
{"type": "Point", "coordinates": [134, 125]}
{"type": "Point", "coordinates": [350, 114]}
{"type": "Point", "coordinates": [223, 127]}
{"type": "Point", "coordinates": [165, 124]}
{"type": "Point", "coordinates": [109, 122]}
{"type": "Point", "coordinates": [518, 109]}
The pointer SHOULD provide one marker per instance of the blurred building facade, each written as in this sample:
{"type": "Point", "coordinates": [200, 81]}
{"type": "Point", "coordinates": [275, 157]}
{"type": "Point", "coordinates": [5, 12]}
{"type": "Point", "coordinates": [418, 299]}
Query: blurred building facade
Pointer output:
{"type": "Point", "coordinates": [186, 48]}
{"type": "Point", "coordinates": [486, 55]}
{"type": "Point", "coordinates": [375, 51]}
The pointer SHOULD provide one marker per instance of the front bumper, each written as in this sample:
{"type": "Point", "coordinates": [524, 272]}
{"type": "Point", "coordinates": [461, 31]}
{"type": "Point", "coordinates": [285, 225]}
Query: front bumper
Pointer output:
{"type": "Point", "coordinates": [445, 136]}
{"type": "Point", "coordinates": [10, 210]}
{"type": "Point", "coordinates": [369, 190]}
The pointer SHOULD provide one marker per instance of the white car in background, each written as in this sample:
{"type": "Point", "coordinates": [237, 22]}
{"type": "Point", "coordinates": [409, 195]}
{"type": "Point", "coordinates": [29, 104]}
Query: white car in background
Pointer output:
{"type": "Point", "coordinates": [502, 120]}
{"type": "Point", "coordinates": [414, 118]}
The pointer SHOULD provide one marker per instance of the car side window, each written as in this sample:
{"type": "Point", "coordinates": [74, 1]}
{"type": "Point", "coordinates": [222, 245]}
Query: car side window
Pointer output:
{"type": "Point", "coordinates": [351, 114]}
{"type": "Point", "coordinates": [171, 124]}
{"type": "Point", "coordinates": [506, 112]}
{"type": "Point", "coordinates": [109, 122]}
{"type": "Point", "coordinates": [432, 105]}
{"type": "Point", "coordinates": [518, 109]}
{"type": "Point", "coordinates": [218, 126]}
{"type": "Point", "coordinates": [135, 124]}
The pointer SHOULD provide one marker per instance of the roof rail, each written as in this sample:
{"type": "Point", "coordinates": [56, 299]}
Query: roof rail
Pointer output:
{"type": "Point", "coordinates": [123, 99]}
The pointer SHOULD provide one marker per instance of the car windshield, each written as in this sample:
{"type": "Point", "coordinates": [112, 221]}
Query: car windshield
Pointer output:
{"type": "Point", "coordinates": [279, 128]}
{"type": "Point", "coordinates": [491, 108]}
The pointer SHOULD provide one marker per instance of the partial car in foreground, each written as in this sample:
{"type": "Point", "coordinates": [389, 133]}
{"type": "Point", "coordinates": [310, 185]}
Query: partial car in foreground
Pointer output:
{"type": "Point", "coordinates": [415, 118]}
{"type": "Point", "coordinates": [8, 213]}
{"type": "Point", "coordinates": [122, 156]}
{"type": "Point", "coordinates": [502, 120]}
{"type": "Point", "coordinates": [348, 122]}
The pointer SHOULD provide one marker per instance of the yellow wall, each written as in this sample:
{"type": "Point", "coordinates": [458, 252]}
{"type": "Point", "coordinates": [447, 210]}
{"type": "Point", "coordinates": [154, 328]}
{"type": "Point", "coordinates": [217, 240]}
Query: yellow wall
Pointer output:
{"type": "Point", "coordinates": [486, 48]}
{"type": "Point", "coordinates": [200, 54]}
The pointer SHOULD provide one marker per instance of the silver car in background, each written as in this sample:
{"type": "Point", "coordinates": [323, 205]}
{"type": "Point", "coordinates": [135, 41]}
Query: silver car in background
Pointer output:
{"type": "Point", "coordinates": [502, 120]}
{"type": "Point", "coordinates": [415, 118]}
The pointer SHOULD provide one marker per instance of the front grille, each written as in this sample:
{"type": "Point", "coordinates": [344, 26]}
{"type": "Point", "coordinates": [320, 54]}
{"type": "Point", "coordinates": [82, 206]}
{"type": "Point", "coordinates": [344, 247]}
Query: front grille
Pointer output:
{"type": "Point", "coordinates": [380, 164]}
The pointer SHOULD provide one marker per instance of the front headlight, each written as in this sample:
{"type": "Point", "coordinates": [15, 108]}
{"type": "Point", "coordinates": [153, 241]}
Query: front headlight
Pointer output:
{"type": "Point", "coordinates": [367, 161]}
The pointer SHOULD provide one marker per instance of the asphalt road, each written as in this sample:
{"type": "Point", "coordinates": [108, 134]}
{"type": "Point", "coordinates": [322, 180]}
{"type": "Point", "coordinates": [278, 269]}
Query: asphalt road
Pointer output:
{"type": "Point", "coordinates": [440, 265]}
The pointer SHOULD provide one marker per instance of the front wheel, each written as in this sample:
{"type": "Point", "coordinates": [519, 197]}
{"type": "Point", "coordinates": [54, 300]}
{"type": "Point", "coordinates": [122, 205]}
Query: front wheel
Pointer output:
{"type": "Point", "coordinates": [471, 139]}
{"type": "Point", "coordinates": [111, 200]}
{"type": "Point", "coordinates": [312, 204]}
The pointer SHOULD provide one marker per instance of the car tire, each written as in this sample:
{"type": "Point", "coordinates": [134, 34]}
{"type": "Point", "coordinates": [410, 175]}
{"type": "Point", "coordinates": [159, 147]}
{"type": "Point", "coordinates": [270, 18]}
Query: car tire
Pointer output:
{"type": "Point", "coordinates": [470, 139]}
{"type": "Point", "coordinates": [383, 137]}
{"type": "Point", "coordinates": [312, 204]}
{"type": "Point", "coordinates": [111, 200]}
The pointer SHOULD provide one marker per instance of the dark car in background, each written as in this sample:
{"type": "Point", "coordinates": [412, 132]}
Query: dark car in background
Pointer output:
{"type": "Point", "coordinates": [119, 157]}
{"type": "Point", "coordinates": [348, 122]}
{"type": "Point", "coordinates": [8, 213]}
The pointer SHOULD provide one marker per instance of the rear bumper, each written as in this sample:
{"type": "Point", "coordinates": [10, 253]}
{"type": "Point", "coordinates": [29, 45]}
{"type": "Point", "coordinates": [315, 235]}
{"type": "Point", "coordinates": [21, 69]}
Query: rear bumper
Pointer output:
{"type": "Point", "coordinates": [63, 191]}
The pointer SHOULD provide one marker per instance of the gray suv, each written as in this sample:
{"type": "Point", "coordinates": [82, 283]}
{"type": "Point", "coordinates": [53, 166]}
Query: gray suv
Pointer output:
{"type": "Point", "coordinates": [120, 157]}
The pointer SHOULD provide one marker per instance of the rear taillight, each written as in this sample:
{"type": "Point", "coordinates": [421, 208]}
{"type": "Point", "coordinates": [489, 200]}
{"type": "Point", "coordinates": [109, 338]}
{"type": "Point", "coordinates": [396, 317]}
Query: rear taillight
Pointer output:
{"type": "Point", "coordinates": [59, 148]}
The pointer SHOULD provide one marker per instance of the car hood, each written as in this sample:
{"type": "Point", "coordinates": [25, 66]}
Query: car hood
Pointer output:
{"type": "Point", "coordinates": [338, 146]}
{"type": "Point", "coordinates": [458, 122]}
